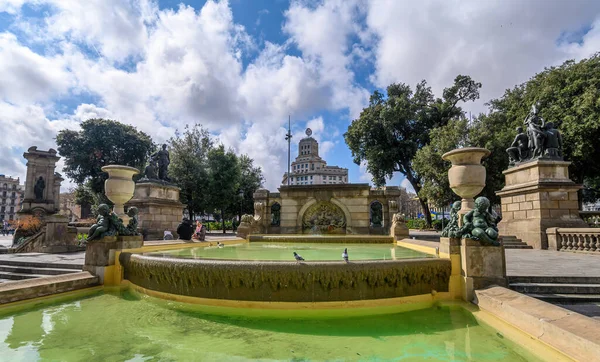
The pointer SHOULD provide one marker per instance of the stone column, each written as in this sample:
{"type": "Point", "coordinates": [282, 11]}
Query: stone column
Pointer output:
{"type": "Point", "coordinates": [56, 189]}
{"type": "Point", "coordinates": [538, 195]}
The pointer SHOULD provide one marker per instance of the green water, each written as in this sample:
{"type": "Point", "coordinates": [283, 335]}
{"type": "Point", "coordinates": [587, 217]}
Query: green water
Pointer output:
{"type": "Point", "coordinates": [131, 327]}
{"type": "Point", "coordinates": [284, 251]}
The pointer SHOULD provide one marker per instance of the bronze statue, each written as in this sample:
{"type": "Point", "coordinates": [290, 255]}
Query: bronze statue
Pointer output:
{"type": "Point", "coordinates": [519, 149]}
{"type": "Point", "coordinates": [553, 145]}
{"type": "Point", "coordinates": [480, 224]}
{"type": "Point", "coordinates": [132, 225]}
{"type": "Point", "coordinates": [39, 187]}
{"type": "Point", "coordinates": [535, 132]}
{"type": "Point", "coordinates": [452, 230]}
{"type": "Point", "coordinates": [163, 162]}
{"type": "Point", "coordinates": [541, 140]}
{"type": "Point", "coordinates": [104, 225]}
{"type": "Point", "coordinates": [151, 170]}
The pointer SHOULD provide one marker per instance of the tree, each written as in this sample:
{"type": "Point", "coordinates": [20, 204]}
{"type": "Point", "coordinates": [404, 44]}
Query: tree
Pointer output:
{"type": "Point", "coordinates": [428, 162]}
{"type": "Point", "coordinates": [189, 167]}
{"type": "Point", "coordinates": [101, 142]}
{"type": "Point", "coordinates": [251, 179]}
{"type": "Point", "coordinates": [224, 179]}
{"type": "Point", "coordinates": [391, 130]}
{"type": "Point", "coordinates": [570, 98]}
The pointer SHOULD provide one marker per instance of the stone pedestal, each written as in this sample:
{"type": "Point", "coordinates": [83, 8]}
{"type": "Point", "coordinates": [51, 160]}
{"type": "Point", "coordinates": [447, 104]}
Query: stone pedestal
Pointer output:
{"type": "Point", "coordinates": [481, 266]}
{"type": "Point", "coordinates": [538, 195]}
{"type": "Point", "coordinates": [100, 254]}
{"type": "Point", "coordinates": [159, 209]}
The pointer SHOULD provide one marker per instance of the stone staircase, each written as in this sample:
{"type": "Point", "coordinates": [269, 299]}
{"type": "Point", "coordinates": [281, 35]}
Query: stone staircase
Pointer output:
{"type": "Point", "coordinates": [558, 290]}
{"type": "Point", "coordinates": [511, 242]}
{"type": "Point", "coordinates": [11, 270]}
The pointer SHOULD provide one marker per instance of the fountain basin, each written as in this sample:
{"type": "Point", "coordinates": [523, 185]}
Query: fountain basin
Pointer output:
{"type": "Point", "coordinates": [283, 281]}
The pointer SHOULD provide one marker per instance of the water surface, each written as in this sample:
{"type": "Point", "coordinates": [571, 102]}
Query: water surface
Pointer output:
{"type": "Point", "coordinates": [284, 251]}
{"type": "Point", "coordinates": [131, 327]}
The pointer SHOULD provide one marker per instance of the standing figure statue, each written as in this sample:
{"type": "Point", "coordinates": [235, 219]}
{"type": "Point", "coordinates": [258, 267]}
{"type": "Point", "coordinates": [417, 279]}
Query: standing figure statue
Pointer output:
{"type": "Point", "coordinates": [480, 224]}
{"type": "Point", "coordinates": [519, 149]}
{"type": "Point", "coordinates": [452, 230]}
{"type": "Point", "coordinates": [38, 188]}
{"type": "Point", "coordinates": [535, 131]}
{"type": "Point", "coordinates": [163, 162]}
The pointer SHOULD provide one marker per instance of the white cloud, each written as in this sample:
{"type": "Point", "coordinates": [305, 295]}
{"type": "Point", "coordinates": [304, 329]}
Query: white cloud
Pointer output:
{"type": "Point", "coordinates": [406, 184]}
{"type": "Point", "coordinates": [500, 43]}
{"type": "Point", "coordinates": [160, 69]}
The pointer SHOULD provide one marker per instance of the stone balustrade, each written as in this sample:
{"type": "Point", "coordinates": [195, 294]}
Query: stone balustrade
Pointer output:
{"type": "Point", "coordinates": [592, 218]}
{"type": "Point", "coordinates": [574, 239]}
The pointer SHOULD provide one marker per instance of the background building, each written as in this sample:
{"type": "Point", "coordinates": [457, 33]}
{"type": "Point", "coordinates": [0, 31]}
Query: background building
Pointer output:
{"type": "Point", "coordinates": [11, 197]}
{"type": "Point", "coordinates": [310, 169]}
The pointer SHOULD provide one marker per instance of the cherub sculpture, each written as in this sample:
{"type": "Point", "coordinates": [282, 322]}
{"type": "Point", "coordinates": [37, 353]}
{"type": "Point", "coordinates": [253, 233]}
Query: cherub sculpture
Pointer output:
{"type": "Point", "coordinates": [104, 225]}
{"type": "Point", "coordinates": [480, 224]}
{"type": "Point", "coordinates": [132, 225]}
{"type": "Point", "coordinates": [452, 230]}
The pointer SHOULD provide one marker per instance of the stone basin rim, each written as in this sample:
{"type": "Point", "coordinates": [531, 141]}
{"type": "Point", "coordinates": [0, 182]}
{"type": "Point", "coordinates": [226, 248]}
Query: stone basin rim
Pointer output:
{"type": "Point", "coordinates": [211, 261]}
{"type": "Point", "coordinates": [485, 152]}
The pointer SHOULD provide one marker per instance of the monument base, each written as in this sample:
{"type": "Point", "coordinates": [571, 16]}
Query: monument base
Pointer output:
{"type": "Point", "coordinates": [159, 209]}
{"type": "Point", "coordinates": [481, 267]}
{"type": "Point", "coordinates": [101, 253]}
{"type": "Point", "coordinates": [538, 195]}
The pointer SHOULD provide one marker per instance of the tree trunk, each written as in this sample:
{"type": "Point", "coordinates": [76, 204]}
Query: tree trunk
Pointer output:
{"type": "Point", "coordinates": [223, 220]}
{"type": "Point", "coordinates": [423, 202]}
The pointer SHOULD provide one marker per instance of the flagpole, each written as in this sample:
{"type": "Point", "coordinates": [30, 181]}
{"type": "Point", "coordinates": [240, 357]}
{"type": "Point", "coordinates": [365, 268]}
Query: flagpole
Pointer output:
{"type": "Point", "coordinates": [288, 137]}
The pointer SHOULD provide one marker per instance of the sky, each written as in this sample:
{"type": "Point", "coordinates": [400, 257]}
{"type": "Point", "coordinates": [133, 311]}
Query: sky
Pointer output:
{"type": "Point", "coordinates": [240, 67]}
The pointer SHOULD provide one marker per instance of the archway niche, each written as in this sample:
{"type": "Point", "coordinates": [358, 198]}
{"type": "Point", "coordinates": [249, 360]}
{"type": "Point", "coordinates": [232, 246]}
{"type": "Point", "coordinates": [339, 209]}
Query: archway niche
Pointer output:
{"type": "Point", "coordinates": [324, 217]}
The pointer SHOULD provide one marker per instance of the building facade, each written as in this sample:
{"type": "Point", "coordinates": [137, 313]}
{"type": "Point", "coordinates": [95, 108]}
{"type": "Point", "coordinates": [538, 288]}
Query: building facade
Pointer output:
{"type": "Point", "coordinates": [11, 197]}
{"type": "Point", "coordinates": [310, 169]}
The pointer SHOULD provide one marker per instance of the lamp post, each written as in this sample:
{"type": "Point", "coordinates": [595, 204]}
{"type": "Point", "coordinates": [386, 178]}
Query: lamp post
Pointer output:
{"type": "Point", "coordinates": [288, 138]}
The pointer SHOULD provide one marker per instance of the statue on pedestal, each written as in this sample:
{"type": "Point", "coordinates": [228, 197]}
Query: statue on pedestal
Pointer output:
{"type": "Point", "coordinates": [541, 140]}
{"type": "Point", "coordinates": [480, 224]}
{"type": "Point", "coordinates": [38, 189]}
{"type": "Point", "coordinates": [452, 230]}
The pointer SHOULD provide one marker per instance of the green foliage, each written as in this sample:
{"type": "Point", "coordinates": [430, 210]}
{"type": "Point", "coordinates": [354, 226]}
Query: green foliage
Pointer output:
{"type": "Point", "coordinates": [569, 96]}
{"type": "Point", "coordinates": [251, 179]}
{"type": "Point", "coordinates": [101, 142]}
{"type": "Point", "coordinates": [391, 130]}
{"type": "Point", "coordinates": [433, 170]}
{"type": "Point", "coordinates": [224, 178]}
{"type": "Point", "coordinates": [419, 224]}
{"type": "Point", "coordinates": [189, 167]}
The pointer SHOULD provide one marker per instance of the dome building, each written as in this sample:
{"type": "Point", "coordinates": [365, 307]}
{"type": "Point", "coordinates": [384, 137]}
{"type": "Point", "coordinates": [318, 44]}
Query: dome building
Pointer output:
{"type": "Point", "coordinates": [310, 169]}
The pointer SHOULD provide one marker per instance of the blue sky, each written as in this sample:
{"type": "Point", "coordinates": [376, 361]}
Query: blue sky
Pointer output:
{"type": "Point", "coordinates": [240, 67]}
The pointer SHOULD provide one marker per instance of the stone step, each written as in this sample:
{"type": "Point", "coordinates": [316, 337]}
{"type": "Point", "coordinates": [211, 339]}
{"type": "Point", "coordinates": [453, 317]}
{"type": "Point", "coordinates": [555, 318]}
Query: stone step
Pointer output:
{"type": "Point", "coordinates": [20, 276]}
{"type": "Point", "coordinates": [39, 287]}
{"type": "Point", "coordinates": [524, 246]}
{"type": "Point", "coordinates": [566, 298]}
{"type": "Point", "coordinates": [34, 270]}
{"type": "Point", "coordinates": [553, 279]}
{"type": "Point", "coordinates": [553, 288]}
{"type": "Point", "coordinates": [36, 264]}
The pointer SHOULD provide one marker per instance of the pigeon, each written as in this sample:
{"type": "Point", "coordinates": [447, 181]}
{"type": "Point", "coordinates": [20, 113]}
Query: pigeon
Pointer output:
{"type": "Point", "coordinates": [220, 245]}
{"type": "Point", "coordinates": [298, 257]}
{"type": "Point", "coordinates": [345, 255]}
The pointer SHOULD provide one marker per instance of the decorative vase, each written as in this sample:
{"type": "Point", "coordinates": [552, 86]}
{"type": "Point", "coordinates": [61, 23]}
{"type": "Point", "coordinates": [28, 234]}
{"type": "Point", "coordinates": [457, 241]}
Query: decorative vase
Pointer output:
{"type": "Point", "coordinates": [119, 187]}
{"type": "Point", "coordinates": [467, 175]}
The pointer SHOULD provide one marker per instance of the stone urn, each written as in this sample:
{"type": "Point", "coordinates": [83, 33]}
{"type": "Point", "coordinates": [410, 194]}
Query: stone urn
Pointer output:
{"type": "Point", "coordinates": [119, 187]}
{"type": "Point", "coordinates": [467, 175]}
